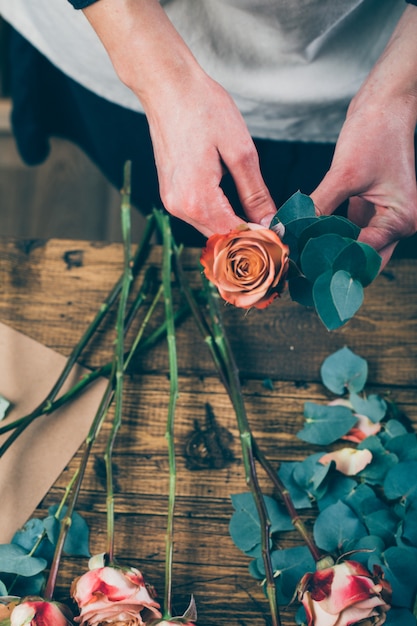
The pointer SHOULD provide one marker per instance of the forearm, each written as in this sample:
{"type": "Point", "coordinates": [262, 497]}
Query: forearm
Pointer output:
{"type": "Point", "coordinates": [147, 52]}
{"type": "Point", "coordinates": [393, 80]}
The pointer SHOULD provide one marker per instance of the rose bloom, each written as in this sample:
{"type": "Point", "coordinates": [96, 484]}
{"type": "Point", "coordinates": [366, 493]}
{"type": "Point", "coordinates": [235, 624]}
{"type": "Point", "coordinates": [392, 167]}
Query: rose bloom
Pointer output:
{"type": "Point", "coordinates": [36, 612]}
{"type": "Point", "coordinates": [343, 595]}
{"type": "Point", "coordinates": [248, 265]}
{"type": "Point", "coordinates": [110, 595]}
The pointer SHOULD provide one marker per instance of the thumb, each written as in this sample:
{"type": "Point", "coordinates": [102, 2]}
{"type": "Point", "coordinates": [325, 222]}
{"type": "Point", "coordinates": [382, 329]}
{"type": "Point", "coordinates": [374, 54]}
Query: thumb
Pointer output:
{"type": "Point", "coordinates": [329, 195]}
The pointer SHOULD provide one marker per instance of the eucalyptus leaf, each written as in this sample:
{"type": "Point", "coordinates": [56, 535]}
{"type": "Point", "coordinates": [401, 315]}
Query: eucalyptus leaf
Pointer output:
{"type": "Point", "coordinates": [339, 487]}
{"type": "Point", "coordinates": [324, 303]}
{"type": "Point", "coordinates": [400, 616]}
{"type": "Point", "coordinates": [382, 461]}
{"type": "Point", "coordinates": [319, 254]}
{"type": "Point", "coordinates": [325, 423]}
{"type": "Point", "coordinates": [311, 475]}
{"type": "Point", "coordinates": [326, 224]}
{"type": "Point", "coordinates": [347, 294]}
{"type": "Point", "coordinates": [409, 527]}
{"type": "Point", "coordinates": [392, 428]}
{"type": "Point", "coordinates": [384, 524]}
{"type": "Point", "coordinates": [301, 290]}
{"type": "Point", "coordinates": [360, 260]}
{"type": "Point", "coordinates": [373, 406]}
{"type": "Point", "coordinates": [367, 546]}
{"type": "Point", "coordinates": [297, 206]}
{"type": "Point", "coordinates": [399, 565]}
{"type": "Point", "coordinates": [15, 560]}
{"type": "Point", "coordinates": [289, 566]}
{"type": "Point", "coordinates": [344, 371]}
{"type": "Point", "coordinates": [337, 528]}
{"type": "Point", "coordinates": [401, 482]}
{"type": "Point", "coordinates": [245, 527]}
{"type": "Point", "coordinates": [404, 447]}
{"type": "Point", "coordinates": [298, 496]}
{"type": "Point", "coordinates": [76, 542]}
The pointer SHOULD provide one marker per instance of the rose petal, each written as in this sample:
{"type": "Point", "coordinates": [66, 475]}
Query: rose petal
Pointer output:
{"type": "Point", "coordinates": [348, 460]}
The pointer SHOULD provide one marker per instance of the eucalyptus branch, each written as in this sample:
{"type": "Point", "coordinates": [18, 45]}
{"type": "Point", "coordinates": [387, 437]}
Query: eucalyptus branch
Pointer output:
{"type": "Point", "coordinates": [163, 223]}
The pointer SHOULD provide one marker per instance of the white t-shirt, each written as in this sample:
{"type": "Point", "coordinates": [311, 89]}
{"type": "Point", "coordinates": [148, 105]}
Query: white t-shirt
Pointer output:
{"type": "Point", "coordinates": [292, 66]}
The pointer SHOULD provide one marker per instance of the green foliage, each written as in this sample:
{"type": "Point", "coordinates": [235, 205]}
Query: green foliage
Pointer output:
{"type": "Point", "coordinates": [371, 516]}
{"type": "Point", "coordinates": [332, 267]}
{"type": "Point", "coordinates": [25, 560]}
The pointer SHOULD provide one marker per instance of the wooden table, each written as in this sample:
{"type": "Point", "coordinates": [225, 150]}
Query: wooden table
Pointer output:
{"type": "Point", "coordinates": [50, 290]}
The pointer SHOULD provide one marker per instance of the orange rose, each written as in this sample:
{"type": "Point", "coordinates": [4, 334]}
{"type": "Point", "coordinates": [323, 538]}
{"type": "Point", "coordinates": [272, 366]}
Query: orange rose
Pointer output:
{"type": "Point", "coordinates": [248, 265]}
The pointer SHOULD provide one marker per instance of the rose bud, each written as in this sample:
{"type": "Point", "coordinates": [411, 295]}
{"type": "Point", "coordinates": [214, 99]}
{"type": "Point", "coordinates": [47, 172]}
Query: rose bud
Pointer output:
{"type": "Point", "coordinates": [113, 595]}
{"type": "Point", "coordinates": [343, 595]}
{"type": "Point", "coordinates": [247, 265]}
{"type": "Point", "coordinates": [37, 612]}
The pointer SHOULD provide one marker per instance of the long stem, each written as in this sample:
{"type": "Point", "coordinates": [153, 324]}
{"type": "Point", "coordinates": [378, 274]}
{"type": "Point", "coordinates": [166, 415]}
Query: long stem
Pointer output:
{"type": "Point", "coordinates": [247, 445]}
{"type": "Point", "coordinates": [119, 359]}
{"type": "Point", "coordinates": [45, 405]}
{"type": "Point", "coordinates": [163, 222]}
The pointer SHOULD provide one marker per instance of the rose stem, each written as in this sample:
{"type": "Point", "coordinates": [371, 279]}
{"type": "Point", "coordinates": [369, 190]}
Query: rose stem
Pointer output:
{"type": "Point", "coordinates": [119, 357]}
{"type": "Point", "coordinates": [91, 437]}
{"type": "Point", "coordinates": [163, 223]}
{"type": "Point", "coordinates": [104, 370]}
{"type": "Point", "coordinates": [288, 503]}
{"type": "Point", "coordinates": [141, 254]}
{"type": "Point", "coordinates": [246, 443]}
{"type": "Point", "coordinates": [280, 487]}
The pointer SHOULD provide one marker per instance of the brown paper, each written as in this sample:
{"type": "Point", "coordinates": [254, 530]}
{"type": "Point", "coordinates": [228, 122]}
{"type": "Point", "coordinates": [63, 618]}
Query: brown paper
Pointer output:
{"type": "Point", "coordinates": [31, 465]}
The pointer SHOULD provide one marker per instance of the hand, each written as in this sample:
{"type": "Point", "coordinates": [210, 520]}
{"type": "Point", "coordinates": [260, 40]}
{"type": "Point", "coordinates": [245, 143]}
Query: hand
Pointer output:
{"type": "Point", "coordinates": [196, 129]}
{"type": "Point", "coordinates": [197, 135]}
{"type": "Point", "coordinates": [374, 163]}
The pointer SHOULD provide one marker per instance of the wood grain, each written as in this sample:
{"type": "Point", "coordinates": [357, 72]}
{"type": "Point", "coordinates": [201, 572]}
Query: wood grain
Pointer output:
{"type": "Point", "coordinates": [51, 289]}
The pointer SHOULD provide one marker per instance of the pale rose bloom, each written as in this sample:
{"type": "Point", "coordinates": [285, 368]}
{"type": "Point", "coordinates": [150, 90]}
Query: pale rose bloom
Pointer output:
{"type": "Point", "coordinates": [39, 613]}
{"type": "Point", "coordinates": [248, 265]}
{"type": "Point", "coordinates": [363, 428]}
{"type": "Point", "coordinates": [174, 622]}
{"type": "Point", "coordinates": [113, 595]}
{"type": "Point", "coordinates": [348, 460]}
{"type": "Point", "coordinates": [343, 595]}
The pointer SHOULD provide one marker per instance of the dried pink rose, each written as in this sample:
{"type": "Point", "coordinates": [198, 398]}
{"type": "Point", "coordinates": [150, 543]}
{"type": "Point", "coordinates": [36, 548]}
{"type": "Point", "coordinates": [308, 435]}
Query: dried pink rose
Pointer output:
{"type": "Point", "coordinates": [343, 595]}
{"type": "Point", "coordinates": [348, 460]}
{"type": "Point", "coordinates": [114, 595]}
{"type": "Point", "coordinates": [38, 612]}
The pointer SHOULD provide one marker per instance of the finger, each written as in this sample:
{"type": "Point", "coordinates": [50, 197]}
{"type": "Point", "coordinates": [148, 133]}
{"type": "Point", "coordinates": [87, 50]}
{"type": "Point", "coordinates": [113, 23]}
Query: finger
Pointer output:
{"type": "Point", "coordinates": [253, 193]}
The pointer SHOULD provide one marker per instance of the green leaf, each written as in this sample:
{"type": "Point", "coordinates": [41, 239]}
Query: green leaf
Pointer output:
{"type": "Point", "coordinates": [319, 254]}
{"type": "Point", "coordinates": [326, 224]}
{"type": "Point", "coordinates": [403, 446]}
{"type": "Point", "coordinates": [337, 528]}
{"type": "Point", "coordinates": [399, 565]}
{"type": "Point", "coordinates": [323, 301]}
{"type": "Point", "coordinates": [383, 524]}
{"type": "Point", "coordinates": [301, 290]}
{"type": "Point", "coordinates": [15, 560]}
{"type": "Point", "coordinates": [400, 616]}
{"type": "Point", "coordinates": [297, 206]}
{"type": "Point", "coordinates": [339, 487]}
{"type": "Point", "coordinates": [325, 424]}
{"type": "Point", "coordinates": [311, 475]}
{"type": "Point", "coordinates": [245, 528]}
{"type": "Point", "coordinates": [373, 406]}
{"type": "Point", "coordinates": [401, 482]}
{"type": "Point", "coordinates": [298, 496]}
{"type": "Point", "coordinates": [76, 542]}
{"type": "Point", "coordinates": [382, 461]}
{"type": "Point", "coordinates": [360, 260]}
{"type": "Point", "coordinates": [347, 294]}
{"type": "Point", "coordinates": [289, 565]}
{"type": "Point", "coordinates": [344, 371]}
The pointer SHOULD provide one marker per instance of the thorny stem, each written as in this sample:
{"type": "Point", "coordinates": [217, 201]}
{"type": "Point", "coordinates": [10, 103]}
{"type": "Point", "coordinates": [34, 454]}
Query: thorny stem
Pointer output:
{"type": "Point", "coordinates": [246, 439]}
{"type": "Point", "coordinates": [45, 406]}
{"type": "Point", "coordinates": [119, 358]}
{"type": "Point", "coordinates": [163, 222]}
